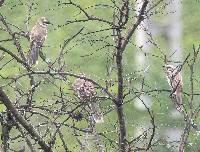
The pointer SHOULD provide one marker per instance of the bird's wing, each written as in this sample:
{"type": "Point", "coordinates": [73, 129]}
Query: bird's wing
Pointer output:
{"type": "Point", "coordinates": [37, 38]}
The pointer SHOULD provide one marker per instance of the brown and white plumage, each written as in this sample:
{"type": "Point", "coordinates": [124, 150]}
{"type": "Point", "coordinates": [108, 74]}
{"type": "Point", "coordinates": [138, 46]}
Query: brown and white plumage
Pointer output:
{"type": "Point", "coordinates": [37, 37]}
{"type": "Point", "coordinates": [86, 93]}
{"type": "Point", "coordinates": [174, 79]}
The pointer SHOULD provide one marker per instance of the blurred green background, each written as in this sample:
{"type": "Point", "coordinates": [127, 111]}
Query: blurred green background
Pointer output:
{"type": "Point", "coordinates": [86, 53]}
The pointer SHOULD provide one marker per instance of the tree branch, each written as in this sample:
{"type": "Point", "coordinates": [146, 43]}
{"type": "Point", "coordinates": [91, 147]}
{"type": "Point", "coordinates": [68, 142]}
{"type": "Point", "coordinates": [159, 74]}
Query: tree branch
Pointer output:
{"type": "Point", "coordinates": [6, 101]}
{"type": "Point", "coordinates": [133, 28]}
{"type": "Point", "coordinates": [1, 2]}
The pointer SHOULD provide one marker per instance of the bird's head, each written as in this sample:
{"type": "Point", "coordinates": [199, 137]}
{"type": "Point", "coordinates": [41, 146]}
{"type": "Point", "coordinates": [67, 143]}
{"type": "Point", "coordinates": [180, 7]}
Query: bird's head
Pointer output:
{"type": "Point", "coordinates": [44, 22]}
{"type": "Point", "coordinates": [169, 67]}
{"type": "Point", "coordinates": [170, 70]}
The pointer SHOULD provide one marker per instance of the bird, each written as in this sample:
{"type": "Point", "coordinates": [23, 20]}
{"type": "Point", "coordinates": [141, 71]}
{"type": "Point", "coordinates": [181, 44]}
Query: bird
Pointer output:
{"type": "Point", "coordinates": [174, 79]}
{"type": "Point", "coordinates": [85, 91]}
{"type": "Point", "coordinates": [37, 37]}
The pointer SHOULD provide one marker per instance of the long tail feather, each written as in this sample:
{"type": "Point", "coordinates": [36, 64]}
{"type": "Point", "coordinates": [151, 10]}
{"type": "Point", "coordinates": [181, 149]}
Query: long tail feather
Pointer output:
{"type": "Point", "coordinates": [96, 112]}
{"type": "Point", "coordinates": [33, 53]}
{"type": "Point", "coordinates": [179, 100]}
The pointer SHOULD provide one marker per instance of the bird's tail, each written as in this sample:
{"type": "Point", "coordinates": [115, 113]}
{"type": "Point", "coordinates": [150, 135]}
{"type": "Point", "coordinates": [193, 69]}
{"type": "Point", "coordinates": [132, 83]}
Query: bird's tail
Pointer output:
{"type": "Point", "coordinates": [96, 112]}
{"type": "Point", "coordinates": [33, 53]}
{"type": "Point", "coordinates": [179, 100]}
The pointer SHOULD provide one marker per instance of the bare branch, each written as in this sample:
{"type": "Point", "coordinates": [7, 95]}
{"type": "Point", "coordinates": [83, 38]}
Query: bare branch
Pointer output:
{"type": "Point", "coordinates": [6, 101]}
{"type": "Point", "coordinates": [140, 18]}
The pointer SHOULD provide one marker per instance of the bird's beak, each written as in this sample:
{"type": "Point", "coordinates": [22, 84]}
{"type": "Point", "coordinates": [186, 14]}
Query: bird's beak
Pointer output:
{"type": "Point", "coordinates": [47, 22]}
